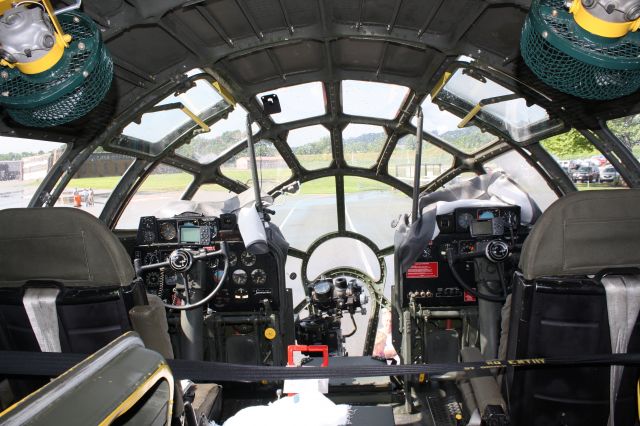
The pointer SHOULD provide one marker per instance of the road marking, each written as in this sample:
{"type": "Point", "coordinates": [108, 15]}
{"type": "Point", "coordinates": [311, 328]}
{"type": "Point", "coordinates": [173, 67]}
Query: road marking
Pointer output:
{"type": "Point", "coordinates": [295, 206]}
{"type": "Point", "coordinates": [359, 245]}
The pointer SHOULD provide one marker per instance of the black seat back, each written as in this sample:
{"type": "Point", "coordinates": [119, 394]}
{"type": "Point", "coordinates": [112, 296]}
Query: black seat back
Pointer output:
{"type": "Point", "coordinates": [70, 250]}
{"type": "Point", "coordinates": [559, 308]}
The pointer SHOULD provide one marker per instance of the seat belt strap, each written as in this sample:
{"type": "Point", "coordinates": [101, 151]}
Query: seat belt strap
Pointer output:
{"type": "Point", "coordinates": [623, 305]}
{"type": "Point", "coordinates": [40, 305]}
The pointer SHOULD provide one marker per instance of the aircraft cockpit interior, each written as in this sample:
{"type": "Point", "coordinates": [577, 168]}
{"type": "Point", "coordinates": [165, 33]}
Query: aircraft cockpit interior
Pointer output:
{"type": "Point", "coordinates": [319, 212]}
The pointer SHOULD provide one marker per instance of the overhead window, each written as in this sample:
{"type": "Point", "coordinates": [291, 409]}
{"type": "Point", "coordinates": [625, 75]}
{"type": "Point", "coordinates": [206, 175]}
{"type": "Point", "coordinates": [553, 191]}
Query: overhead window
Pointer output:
{"type": "Point", "coordinates": [362, 144]}
{"type": "Point", "coordinates": [312, 146]}
{"type": "Point", "coordinates": [206, 147]}
{"type": "Point", "coordinates": [627, 129]}
{"type": "Point", "coordinates": [171, 118]}
{"type": "Point", "coordinates": [298, 102]}
{"type": "Point", "coordinates": [496, 105]}
{"type": "Point", "coordinates": [444, 125]}
{"type": "Point", "coordinates": [371, 99]}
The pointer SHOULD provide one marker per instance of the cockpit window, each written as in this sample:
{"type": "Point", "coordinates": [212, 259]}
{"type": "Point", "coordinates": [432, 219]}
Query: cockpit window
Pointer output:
{"type": "Point", "coordinates": [298, 102]}
{"type": "Point", "coordinates": [363, 200]}
{"type": "Point", "coordinates": [444, 125]}
{"type": "Point", "coordinates": [467, 89]}
{"type": "Point", "coordinates": [23, 165]}
{"type": "Point", "coordinates": [206, 147]}
{"type": "Point", "coordinates": [343, 252]}
{"type": "Point", "coordinates": [272, 169]}
{"type": "Point", "coordinates": [435, 161]}
{"type": "Point", "coordinates": [94, 182]}
{"type": "Point", "coordinates": [178, 116]}
{"type": "Point", "coordinates": [312, 146]}
{"type": "Point", "coordinates": [161, 187]}
{"type": "Point", "coordinates": [370, 99]}
{"type": "Point", "coordinates": [581, 161]}
{"type": "Point", "coordinates": [307, 215]}
{"type": "Point", "coordinates": [627, 129]}
{"type": "Point", "coordinates": [362, 144]}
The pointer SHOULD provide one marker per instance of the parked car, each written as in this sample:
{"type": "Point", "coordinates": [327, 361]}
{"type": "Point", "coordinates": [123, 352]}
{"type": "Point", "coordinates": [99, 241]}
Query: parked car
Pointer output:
{"type": "Point", "coordinates": [586, 174]}
{"type": "Point", "coordinates": [610, 175]}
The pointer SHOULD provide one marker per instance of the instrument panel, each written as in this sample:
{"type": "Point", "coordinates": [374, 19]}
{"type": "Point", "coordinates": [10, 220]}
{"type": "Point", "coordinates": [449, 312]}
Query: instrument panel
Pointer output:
{"type": "Point", "coordinates": [467, 230]}
{"type": "Point", "coordinates": [252, 281]}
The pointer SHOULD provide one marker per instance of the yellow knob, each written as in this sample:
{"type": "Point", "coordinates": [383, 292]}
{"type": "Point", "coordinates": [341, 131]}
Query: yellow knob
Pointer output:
{"type": "Point", "coordinates": [269, 333]}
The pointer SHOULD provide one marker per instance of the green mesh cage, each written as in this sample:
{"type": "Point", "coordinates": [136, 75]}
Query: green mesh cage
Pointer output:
{"type": "Point", "coordinates": [571, 60]}
{"type": "Point", "coordinates": [69, 90]}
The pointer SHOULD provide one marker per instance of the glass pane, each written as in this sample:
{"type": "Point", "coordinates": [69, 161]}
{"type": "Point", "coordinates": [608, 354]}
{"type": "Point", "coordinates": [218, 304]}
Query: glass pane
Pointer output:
{"type": "Point", "coordinates": [627, 129]}
{"type": "Point", "coordinates": [23, 165]}
{"type": "Point", "coordinates": [307, 215]}
{"type": "Point", "coordinates": [212, 192]}
{"type": "Point", "coordinates": [371, 99]}
{"type": "Point", "coordinates": [514, 117]}
{"type": "Point", "coordinates": [163, 186]}
{"type": "Point", "coordinates": [272, 169]}
{"type": "Point", "coordinates": [206, 147]}
{"type": "Point", "coordinates": [435, 161]}
{"type": "Point", "coordinates": [298, 102]}
{"type": "Point", "coordinates": [370, 206]}
{"type": "Point", "coordinates": [312, 146]}
{"type": "Point", "coordinates": [345, 252]}
{"type": "Point", "coordinates": [582, 161]}
{"type": "Point", "coordinates": [95, 180]}
{"type": "Point", "coordinates": [444, 125]}
{"type": "Point", "coordinates": [513, 164]}
{"type": "Point", "coordinates": [156, 130]}
{"type": "Point", "coordinates": [362, 144]}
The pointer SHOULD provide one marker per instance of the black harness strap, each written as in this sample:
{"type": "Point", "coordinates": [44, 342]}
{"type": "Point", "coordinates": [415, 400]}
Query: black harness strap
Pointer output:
{"type": "Point", "coordinates": [15, 363]}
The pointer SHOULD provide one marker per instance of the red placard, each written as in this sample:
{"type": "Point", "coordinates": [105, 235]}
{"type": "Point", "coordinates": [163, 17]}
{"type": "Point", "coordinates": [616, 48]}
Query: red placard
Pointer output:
{"type": "Point", "coordinates": [423, 270]}
{"type": "Point", "coordinates": [468, 297]}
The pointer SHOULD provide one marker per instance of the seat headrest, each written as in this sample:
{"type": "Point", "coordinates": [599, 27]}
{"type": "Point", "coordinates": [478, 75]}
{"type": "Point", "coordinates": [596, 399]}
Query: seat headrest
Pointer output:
{"type": "Point", "coordinates": [584, 233]}
{"type": "Point", "coordinates": [60, 244]}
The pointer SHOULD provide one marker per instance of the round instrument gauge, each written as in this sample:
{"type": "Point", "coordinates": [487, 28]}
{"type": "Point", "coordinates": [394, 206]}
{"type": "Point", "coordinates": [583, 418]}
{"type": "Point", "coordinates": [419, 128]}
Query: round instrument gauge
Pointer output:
{"type": "Point", "coordinates": [150, 258]}
{"type": "Point", "coordinates": [233, 259]}
{"type": "Point", "coordinates": [168, 231]}
{"type": "Point", "coordinates": [248, 259]}
{"type": "Point", "coordinates": [222, 299]}
{"type": "Point", "coordinates": [213, 263]}
{"type": "Point", "coordinates": [239, 277]}
{"type": "Point", "coordinates": [464, 220]}
{"type": "Point", "coordinates": [152, 279]}
{"type": "Point", "coordinates": [259, 277]}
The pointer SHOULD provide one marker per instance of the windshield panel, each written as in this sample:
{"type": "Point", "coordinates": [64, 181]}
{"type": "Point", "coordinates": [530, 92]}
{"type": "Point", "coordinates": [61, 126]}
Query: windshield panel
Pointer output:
{"type": "Point", "coordinates": [93, 183]}
{"type": "Point", "coordinates": [435, 161]}
{"type": "Point", "coordinates": [514, 117]}
{"type": "Point", "coordinates": [362, 144]}
{"type": "Point", "coordinates": [370, 99]}
{"type": "Point", "coordinates": [312, 146]}
{"type": "Point", "coordinates": [164, 185]}
{"type": "Point", "coordinates": [307, 215]}
{"type": "Point", "coordinates": [371, 206]}
{"type": "Point", "coordinates": [24, 163]}
{"type": "Point", "coordinates": [298, 102]}
{"type": "Point", "coordinates": [272, 169]}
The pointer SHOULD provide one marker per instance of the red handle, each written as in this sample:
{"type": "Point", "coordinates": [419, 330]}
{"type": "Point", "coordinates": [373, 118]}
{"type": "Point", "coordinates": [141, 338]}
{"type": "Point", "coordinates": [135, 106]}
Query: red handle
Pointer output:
{"type": "Point", "coordinates": [310, 348]}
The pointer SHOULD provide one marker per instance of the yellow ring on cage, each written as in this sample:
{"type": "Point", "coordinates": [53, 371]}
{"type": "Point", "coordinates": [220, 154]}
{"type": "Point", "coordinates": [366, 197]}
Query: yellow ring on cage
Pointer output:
{"type": "Point", "coordinates": [599, 26]}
